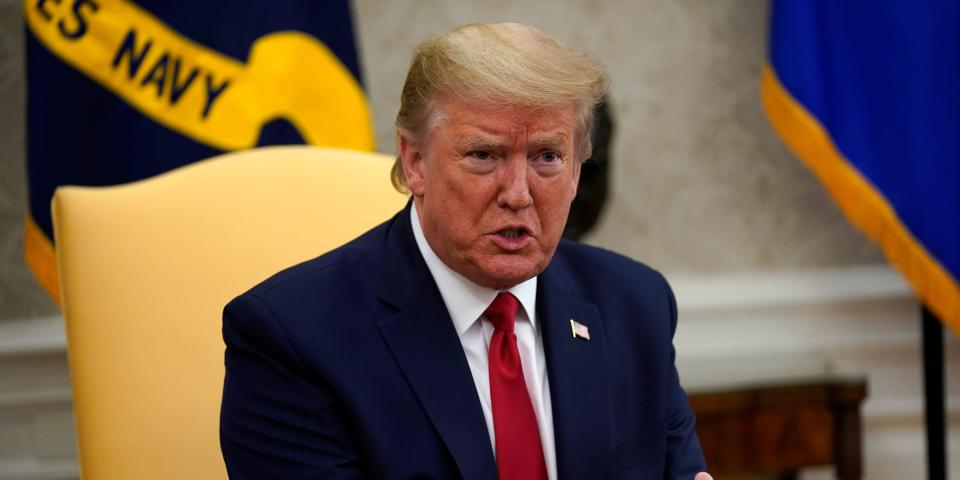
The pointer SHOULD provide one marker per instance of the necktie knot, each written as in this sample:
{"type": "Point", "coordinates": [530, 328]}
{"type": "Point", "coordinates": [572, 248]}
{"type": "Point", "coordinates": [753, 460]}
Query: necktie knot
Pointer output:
{"type": "Point", "coordinates": [502, 311]}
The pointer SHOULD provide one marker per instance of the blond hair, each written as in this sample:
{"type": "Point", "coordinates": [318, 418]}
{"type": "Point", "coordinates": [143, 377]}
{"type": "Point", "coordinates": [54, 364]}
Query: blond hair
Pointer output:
{"type": "Point", "coordinates": [502, 63]}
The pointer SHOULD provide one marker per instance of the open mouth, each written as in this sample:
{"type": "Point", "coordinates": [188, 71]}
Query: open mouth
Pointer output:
{"type": "Point", "coordinates": [512, 232]}
{"type": "Point", "coordinates": [512, 239]}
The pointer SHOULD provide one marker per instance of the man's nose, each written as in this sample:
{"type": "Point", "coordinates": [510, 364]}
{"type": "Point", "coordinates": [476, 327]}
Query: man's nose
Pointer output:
{"type": "Point", "coordinates": [514, 188]}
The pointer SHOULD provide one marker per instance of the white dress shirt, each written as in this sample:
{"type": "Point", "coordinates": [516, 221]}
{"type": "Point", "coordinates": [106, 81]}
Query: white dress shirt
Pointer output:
{"type": "Point", "coordinates": [466, 302]}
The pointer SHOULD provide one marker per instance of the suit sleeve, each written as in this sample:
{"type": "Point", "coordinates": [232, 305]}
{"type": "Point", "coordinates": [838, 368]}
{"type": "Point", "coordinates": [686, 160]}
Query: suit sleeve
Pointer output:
{"type": "Point", "coordinates": [276, 420]}
{"type": "Point", "coordinates": [684, 455]}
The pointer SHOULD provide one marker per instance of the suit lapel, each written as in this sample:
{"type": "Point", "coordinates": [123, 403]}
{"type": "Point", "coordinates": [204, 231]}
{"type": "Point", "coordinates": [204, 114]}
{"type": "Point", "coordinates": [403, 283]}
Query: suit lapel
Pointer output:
{"type": "Point", "coordinates": [425, 344]}
{"type": "Point", "coordinates": [579, 385]}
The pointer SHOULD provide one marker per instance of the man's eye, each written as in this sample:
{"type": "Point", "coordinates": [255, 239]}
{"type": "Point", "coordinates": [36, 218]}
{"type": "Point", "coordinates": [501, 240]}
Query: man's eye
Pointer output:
{"type": "Point", "coordinates": [550, 157]}
{"type": "Point", "coordinates": [480, 155]}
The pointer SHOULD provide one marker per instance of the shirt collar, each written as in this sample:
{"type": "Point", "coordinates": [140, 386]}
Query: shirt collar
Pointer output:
{"type": "Point", "coordinates": [466, 301]}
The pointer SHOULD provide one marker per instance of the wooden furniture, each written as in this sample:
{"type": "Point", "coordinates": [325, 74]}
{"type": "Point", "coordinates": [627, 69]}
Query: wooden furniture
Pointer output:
{"type": "Point", "coordinates": [777, 429]}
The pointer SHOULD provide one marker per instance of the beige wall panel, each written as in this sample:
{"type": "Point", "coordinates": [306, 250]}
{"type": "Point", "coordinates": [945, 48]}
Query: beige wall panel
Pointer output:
{"type": "Point", "coordinates": [20, 296]}
{"type": "Point", "coordinates": [699, 182]}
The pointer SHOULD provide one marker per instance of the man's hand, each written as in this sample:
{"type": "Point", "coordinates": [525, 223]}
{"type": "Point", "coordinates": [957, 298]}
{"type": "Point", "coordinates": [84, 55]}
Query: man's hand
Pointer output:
{"type": "Point", "coordinates": [703, 476]}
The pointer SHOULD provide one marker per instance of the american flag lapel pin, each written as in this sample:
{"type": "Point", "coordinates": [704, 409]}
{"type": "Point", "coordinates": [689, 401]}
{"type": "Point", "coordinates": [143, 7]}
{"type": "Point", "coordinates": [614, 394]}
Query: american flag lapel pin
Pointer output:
{"type": "Point", "coordinates": [579, 330]}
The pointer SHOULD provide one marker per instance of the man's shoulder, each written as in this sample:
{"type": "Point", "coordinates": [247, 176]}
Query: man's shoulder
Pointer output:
{"type": "Point", "coordinates": [338, 267]}
{"type": "Point", "coordinates": [617, 283]}
{"type": "Point", "coordinates": [583, 260]}
{"type": "Point", "coordinates": [319, 312]}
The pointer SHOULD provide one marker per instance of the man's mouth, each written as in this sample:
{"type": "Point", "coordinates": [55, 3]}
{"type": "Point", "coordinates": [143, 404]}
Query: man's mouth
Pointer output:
{"type": "Point", "coordinates": [513, 238]}
{"type": "Point", "coordinates": [511, 232]}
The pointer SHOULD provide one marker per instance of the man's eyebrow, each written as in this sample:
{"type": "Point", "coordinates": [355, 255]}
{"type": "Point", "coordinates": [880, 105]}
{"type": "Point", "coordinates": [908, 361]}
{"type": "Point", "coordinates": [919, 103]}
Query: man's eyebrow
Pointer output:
{"type": "Point", "coordinates": [478, 144]}
{"type": "Point", "coordinates": [556, 142]}
{"type": "Point", "coordinates": [553, 142]}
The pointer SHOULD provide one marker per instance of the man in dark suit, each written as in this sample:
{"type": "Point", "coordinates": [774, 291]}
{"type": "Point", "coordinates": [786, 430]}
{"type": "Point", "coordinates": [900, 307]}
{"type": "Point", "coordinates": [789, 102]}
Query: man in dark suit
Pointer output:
{"type": "Point", "coordinates": [462, 338]}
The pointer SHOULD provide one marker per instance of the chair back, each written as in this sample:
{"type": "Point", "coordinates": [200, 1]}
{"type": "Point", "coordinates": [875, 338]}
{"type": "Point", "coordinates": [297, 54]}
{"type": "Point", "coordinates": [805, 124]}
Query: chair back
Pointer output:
{"type": "Point", "coordinates": [146, 268]}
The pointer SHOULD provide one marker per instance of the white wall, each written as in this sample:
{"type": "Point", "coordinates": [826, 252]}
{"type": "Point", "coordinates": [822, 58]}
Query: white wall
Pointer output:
{"type": "Point", "coordinates": [855, 321]}
{"type": "Point", "coordinates": [36, 420]}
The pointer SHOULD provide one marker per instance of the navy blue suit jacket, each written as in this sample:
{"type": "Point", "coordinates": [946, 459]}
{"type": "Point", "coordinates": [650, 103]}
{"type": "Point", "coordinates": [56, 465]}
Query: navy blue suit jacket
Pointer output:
{"type": "Point", "coordinates": [348, 366]}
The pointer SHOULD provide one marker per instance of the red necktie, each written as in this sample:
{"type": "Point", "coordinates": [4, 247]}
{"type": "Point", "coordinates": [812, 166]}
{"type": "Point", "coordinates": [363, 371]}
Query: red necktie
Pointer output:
{"type": "Point", "coordinates": [519, 454]}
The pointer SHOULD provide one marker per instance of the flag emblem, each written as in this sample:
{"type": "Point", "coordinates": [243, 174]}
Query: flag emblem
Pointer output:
{"type": "Point", "coordinates": [579, 330]}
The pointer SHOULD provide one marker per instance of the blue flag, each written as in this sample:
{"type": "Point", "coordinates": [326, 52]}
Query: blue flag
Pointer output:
{"type": "Point", "coordinates": [119, 91]}
{"type": "Point", "coordinates": [867, 93]}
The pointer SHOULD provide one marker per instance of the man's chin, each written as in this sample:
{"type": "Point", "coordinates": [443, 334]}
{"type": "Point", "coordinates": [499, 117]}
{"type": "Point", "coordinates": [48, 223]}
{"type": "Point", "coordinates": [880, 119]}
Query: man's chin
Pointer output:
{"type": "Point", "coordinates": [503, 275]}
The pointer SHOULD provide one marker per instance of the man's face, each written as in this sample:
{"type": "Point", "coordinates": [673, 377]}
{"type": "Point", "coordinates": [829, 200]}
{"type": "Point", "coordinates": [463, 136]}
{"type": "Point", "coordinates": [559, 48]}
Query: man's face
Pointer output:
{"type": "Point", "coordinates": [493, 187]}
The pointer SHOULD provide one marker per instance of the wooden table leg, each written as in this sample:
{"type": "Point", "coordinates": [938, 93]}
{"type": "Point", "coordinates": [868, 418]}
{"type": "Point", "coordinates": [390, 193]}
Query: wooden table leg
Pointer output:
{"type": "Point", "coordinates": [847, 457]}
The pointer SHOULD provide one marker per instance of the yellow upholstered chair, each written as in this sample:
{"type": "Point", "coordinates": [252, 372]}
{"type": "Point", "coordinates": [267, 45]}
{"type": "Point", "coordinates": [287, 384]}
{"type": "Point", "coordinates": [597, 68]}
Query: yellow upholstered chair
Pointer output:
{"type": "Point", "coordinates": [146, 268]}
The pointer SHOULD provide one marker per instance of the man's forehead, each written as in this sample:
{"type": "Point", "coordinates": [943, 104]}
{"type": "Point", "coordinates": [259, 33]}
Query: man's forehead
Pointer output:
{"type": "Point", "coordinates": [476, 137]}
{"type": "Point", "coordinates": [467, 122]}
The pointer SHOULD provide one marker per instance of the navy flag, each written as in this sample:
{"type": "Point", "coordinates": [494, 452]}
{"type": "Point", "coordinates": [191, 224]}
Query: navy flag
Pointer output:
{"type": "Point", "coordinates": [119, 91]}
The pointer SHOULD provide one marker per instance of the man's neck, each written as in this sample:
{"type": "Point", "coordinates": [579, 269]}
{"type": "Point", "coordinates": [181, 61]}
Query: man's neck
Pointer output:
{"type": "Point", "coordinates": [465, 300]}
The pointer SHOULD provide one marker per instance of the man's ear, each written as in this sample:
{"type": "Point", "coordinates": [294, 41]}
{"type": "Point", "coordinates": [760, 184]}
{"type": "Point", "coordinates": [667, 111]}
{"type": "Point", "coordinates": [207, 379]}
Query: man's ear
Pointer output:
{"type": "Point", "coordinates": [412, 160]}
